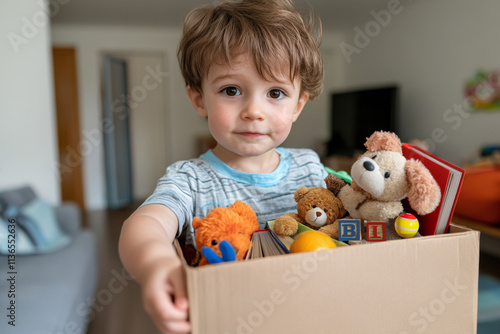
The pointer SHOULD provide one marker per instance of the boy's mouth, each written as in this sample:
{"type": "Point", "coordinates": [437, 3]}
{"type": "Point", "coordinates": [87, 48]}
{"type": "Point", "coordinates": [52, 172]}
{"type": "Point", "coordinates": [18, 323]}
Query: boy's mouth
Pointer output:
{"type": "Point", "coordinates": [251, 134]}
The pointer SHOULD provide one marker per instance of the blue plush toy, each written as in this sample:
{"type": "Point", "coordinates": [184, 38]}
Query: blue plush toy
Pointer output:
{"type": "Point", "coordinates": [226, 250]}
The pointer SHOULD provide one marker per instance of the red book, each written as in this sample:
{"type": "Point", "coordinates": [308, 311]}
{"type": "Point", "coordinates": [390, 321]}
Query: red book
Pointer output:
{"type": "Point", "coordinates": [450, 179]}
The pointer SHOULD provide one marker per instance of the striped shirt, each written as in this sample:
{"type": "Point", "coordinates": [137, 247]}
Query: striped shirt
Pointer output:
{"type": "Point", "coordinates": [191, 188]}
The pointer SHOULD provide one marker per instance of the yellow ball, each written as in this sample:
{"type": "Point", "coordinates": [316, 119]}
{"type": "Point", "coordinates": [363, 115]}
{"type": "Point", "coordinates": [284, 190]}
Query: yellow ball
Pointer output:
{"type": "Point", "coordinates": [311, 241]}
{"type": "Point", "coordinates": [406, 225]}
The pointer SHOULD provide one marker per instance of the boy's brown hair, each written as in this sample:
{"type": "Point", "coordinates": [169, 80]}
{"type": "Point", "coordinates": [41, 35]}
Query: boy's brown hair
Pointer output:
{"type": "Point", "coordinates": [272, 31]}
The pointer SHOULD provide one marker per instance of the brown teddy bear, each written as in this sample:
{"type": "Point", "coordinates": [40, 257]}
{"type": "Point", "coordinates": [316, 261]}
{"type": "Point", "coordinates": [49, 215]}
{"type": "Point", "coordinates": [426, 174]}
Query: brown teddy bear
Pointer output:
{"type": "Point", "coordinates": [234, 224]}
{"type": "Point", "coordinates": [317, 207]}
{"type": "Point", "coordinates": [381, 178]}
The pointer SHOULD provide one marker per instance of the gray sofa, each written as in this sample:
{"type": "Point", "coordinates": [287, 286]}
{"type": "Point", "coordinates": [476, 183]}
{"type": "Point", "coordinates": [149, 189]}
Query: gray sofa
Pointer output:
{"type": "Point", "coordinates": [53, 291]}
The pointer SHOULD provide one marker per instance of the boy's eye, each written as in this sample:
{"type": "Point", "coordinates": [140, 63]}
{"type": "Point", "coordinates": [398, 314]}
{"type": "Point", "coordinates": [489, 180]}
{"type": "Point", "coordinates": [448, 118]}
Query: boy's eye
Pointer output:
{"type": "Point", "coordinates": [276, 94]}
{"type": "Point", "coordinates": [231, 91]}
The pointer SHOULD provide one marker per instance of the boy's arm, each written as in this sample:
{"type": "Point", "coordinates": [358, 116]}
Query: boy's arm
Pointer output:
{"type": "Point", "coordinates": [147, 253]}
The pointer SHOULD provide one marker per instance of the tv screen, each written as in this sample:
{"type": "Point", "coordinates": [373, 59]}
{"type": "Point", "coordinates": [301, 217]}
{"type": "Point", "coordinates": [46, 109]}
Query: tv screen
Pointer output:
{"type": "Point", "coordinates": [356, 114]}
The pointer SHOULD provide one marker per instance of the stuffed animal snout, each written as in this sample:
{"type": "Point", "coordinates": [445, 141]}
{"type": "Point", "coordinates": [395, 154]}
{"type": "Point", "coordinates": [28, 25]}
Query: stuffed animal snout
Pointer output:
{"type": "Point", "coordinates": [367, 172]}
{"type": "Point", "coordinates": [382, 174]}
{"type": "Point", "coordinates": [316, 216]}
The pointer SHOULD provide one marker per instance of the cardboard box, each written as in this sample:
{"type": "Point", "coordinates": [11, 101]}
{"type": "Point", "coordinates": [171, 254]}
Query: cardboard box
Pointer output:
{"type": "Point", "coordinates": [419, 285]}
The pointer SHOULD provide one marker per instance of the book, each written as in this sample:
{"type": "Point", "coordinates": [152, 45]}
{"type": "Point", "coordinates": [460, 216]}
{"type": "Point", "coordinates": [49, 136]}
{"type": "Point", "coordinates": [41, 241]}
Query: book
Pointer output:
{"type": "Point", "coordinates": [449, 178]}
{"type": "Point", "coordinates": [265, 243]}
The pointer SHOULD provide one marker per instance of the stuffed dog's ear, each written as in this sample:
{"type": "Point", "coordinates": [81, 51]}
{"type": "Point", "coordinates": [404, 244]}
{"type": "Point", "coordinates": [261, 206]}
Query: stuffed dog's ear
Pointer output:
{"type": "Point", "coordinates": [383, 141]}
{"type": "Point", "coordinates": [424, 194]}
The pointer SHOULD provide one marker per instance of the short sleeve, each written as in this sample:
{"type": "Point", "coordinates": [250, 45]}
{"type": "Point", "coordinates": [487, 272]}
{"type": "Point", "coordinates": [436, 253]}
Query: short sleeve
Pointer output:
{"type": "Point", "coordinates": [175, 190]}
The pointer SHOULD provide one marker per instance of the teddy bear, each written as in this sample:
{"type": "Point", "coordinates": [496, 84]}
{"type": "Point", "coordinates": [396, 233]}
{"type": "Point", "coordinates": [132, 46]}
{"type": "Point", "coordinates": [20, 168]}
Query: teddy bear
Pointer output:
{"type": "Point", "coordinates": [229, 228]}
{"type": "Point", "coordinates": [381, 178]}
{"type": "Point", "coordinates": [317, 208]}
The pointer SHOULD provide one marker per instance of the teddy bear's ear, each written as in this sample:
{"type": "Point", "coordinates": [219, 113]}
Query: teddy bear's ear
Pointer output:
{"type": "Point", "coordinates": [299, 193]}
{"type": "Point", "coordinates": [383, 141]}
{"type": "Point", "coordinates": [196, 222]}
{"type": "Point", "coordinates": [424, 194]}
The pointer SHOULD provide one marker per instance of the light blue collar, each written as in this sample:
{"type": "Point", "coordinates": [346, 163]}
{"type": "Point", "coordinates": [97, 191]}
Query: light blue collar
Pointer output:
{"type": "Point", "coordinates": [258, 180]}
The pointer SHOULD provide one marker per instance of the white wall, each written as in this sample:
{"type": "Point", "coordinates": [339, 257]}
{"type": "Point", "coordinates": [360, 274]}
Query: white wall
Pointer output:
{"type": "Point", "coordinates": [91, 43]}
{"type": "Point", "coordinates": [430, 48]}
{"type": "Point", "coordinates": [184, 123]}
{"type": "Point", "coordinates": [28, 141]}
{"type": "Point", "coordinates": [150, 143]}
{"type": "Point", "coordinates": [312, 128]}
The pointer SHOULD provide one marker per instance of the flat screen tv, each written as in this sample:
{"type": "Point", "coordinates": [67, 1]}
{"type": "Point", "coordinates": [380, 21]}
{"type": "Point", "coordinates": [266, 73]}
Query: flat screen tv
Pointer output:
{"type": "Point", "coordinates": [356, 114]}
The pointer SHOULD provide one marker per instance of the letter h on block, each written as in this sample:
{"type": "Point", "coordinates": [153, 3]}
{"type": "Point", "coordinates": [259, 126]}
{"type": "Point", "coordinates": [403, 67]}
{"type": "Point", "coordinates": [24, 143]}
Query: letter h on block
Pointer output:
{"type": "Point", "coordinates": [349, 230]}
{"type": "Point", "coordinates": [375, 231]}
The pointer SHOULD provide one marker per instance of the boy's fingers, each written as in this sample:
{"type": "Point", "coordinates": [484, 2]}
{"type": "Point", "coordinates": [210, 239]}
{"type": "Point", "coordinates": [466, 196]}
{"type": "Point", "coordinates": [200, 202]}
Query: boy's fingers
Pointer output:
{"type": "Point", "coordinates": [165, 301]}
{"type": "Point", "coordinates": [181, 303]}
{"type": "Point", "coordinates": [174, 317]}
{"type": "Point", "coordinates": [168, 309]}
{"type": "Point", "coordinates": [160, 305]}
{"type": "Point", "coordinates": [178, 327]}
{"type": "Point", "coordinates": [180, 293]}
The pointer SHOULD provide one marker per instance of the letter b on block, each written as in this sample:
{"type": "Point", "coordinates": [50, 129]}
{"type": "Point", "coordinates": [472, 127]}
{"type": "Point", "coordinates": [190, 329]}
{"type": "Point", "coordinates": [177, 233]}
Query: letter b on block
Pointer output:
{"type": "Point", "coordinates": [349, 229]}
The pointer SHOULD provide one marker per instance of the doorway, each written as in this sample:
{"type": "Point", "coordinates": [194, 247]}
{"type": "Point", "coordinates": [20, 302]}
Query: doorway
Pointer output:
{"type": "Point", "coordinates": [68, 125]}
{"type": "Point", "coordinates": [134, 106]}
{"type": "Point", "coordinates": [117, 133]}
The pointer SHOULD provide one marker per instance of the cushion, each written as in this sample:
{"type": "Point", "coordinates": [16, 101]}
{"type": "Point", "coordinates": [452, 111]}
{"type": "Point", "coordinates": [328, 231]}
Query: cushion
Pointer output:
{"type": "Point", "coordinates": [479, 198]}
{"type": "Point", "coordinates": [19, 243]}
{"type": "Point", "coordinates": [37, 229]}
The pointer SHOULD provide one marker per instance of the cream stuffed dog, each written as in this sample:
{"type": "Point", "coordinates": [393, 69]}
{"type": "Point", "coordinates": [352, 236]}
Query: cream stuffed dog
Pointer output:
{"type": "Point", "coordinates": [382, 177]}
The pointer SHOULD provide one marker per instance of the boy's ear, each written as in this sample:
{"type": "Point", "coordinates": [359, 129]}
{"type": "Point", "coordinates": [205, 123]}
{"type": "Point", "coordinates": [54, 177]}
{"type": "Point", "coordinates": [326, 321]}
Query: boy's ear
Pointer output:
{"type": "Point", "coordinates": [197, 101]}
{"type": "Point", "coordinates": [300, 105]}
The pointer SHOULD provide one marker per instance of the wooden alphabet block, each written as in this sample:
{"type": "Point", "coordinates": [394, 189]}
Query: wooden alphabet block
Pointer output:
{"type": "Point", "coordinates": [375, 231]}
{"type": "Point", "coordinates": [349, 229]}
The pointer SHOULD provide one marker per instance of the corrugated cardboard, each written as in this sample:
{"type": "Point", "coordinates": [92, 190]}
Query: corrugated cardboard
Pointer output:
{"type": "Point", "coordinates": [418, 285]}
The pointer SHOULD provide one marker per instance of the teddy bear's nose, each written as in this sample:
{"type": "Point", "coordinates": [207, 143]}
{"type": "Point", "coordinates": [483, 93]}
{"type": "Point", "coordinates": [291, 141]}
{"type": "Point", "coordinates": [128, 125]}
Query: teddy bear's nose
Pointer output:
{"type": "Point", "coordinates": [318, 213]}
{"type": "Point", "coordinates": [368, 166]}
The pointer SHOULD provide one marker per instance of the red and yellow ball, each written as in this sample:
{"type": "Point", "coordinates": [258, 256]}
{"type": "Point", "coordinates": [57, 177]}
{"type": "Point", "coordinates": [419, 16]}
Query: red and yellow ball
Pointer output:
{"type": "Point", "coordinates": [406, 225]}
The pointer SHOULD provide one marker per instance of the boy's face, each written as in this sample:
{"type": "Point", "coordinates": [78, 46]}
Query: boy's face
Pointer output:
{"type": "Point", "coordinates": [247, 115]}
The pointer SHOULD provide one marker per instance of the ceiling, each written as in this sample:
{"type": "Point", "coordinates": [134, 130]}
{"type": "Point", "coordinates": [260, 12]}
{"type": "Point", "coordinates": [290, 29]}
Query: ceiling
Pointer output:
{"type": "Point", "coordinates": [335, 14]}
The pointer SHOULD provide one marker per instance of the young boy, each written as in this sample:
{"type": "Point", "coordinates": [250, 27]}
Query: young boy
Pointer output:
{"type": "Point", "coordinates": [250, 67]}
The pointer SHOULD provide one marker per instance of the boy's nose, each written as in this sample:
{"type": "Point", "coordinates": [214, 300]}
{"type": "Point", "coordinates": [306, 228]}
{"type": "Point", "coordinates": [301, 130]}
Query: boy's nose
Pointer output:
{"type": "Point", "coordinates": [252, 111]}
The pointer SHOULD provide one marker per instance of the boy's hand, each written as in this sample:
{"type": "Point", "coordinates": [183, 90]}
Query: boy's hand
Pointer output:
{"type": "Point", "coordinates": [164, 298]}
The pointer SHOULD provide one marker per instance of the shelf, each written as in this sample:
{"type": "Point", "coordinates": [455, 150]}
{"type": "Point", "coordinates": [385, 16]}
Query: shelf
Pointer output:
{"type": "Point", "coordinates": [486, 228]}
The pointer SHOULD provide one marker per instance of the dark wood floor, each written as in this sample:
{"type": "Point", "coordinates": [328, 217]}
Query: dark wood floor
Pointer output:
{"type": "Point", "coordinates": [118, 304]}
{"type": "Point", "coordinates": [118, 308]}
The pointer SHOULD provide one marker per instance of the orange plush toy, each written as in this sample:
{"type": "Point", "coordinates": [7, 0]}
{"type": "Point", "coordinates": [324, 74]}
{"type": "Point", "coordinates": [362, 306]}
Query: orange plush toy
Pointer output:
{"type": "Point", "coordinates": [234, 225]}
